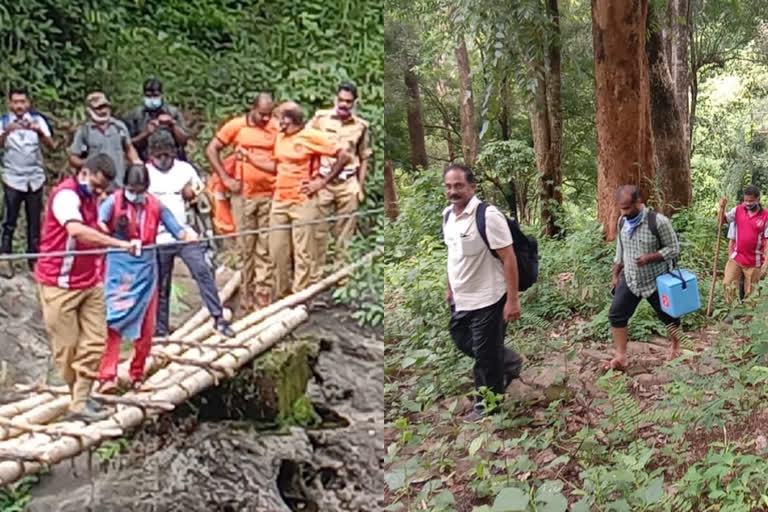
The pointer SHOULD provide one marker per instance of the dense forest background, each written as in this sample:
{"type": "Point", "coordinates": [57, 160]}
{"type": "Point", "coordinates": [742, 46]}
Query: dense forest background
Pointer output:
{"type": "Point", "coordinates": [555, 103]}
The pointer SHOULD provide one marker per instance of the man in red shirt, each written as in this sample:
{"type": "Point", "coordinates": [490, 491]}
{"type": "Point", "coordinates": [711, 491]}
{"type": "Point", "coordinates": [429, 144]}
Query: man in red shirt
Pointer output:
{"type": "Point", "coordinates": [71, 291]}
{"type": "Point", "coordinates": [748, 258]}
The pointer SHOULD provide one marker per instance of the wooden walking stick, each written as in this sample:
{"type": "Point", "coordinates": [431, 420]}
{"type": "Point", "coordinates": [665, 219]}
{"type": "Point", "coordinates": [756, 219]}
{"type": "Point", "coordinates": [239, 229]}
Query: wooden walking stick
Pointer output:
{"type": "Point", "coordinates": [720, 218]}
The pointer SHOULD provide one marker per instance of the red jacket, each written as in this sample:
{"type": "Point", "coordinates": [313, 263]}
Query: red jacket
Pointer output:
{"type": "Point", "coordinates": [74, 272]}
{"type": "Point", "coordinates": [143, 222]}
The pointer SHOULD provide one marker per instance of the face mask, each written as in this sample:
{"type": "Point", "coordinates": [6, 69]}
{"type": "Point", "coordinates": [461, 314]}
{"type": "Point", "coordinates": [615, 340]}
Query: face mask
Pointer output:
{"type": "Point", "coordinates": [133, 197]}
{"type": "Point", "coordinates": [163, 163]}
{"type": "Point", "coordinates": [85, 188]}
{"type": "Point", "coordinates": [153, 103]}
{"type": "Point", "coordinates": [98, 118]}
{"type": "Point", "coordinates": [750, 207]}
{"type": "Point", "coordinates": [630, 217]}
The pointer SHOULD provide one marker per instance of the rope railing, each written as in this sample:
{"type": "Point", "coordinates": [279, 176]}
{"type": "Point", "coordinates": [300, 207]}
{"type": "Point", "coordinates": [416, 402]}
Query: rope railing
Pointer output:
{"type": "Point", "coordinates": [236, 234]}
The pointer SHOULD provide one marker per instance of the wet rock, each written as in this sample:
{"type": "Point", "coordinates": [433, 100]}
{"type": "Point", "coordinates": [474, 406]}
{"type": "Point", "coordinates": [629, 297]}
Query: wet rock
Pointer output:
{"type": "Point", "coordinates": [178, 464]}
{"type": "Point", "coordinates": [24, 347]}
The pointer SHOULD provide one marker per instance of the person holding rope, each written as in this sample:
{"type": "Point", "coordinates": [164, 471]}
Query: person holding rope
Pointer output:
{"type": "Point", "coordinates": [71, 291]}
{"type": "Point", "coordinates": [253, 137]}
{"type": "Point", "coordinates": [642, 254]}
{"type": "Point", "coordinates": [173, 181]}
{"type": "Point", "coordinates": [748, 259]}
{"type": "Point", "coordinates": [345, 192]}
{"type": "Point", "coordinates": [295, 198]}
{"type": "Point", "coordinates": [131, 213]}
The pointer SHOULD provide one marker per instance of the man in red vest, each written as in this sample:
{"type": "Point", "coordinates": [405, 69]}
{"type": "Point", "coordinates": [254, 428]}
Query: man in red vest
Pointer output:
{"type": "Point", "coordinates": [71, 291]}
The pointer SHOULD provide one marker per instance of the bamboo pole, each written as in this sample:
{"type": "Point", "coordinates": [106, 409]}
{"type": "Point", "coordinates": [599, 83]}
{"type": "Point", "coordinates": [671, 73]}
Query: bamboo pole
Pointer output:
{"type": "Point", "coordinates": [15, 408]}
{"type": "Point", "coordinates": [55, 451]}
{"type": "Point", "coordinates": [720, 217]}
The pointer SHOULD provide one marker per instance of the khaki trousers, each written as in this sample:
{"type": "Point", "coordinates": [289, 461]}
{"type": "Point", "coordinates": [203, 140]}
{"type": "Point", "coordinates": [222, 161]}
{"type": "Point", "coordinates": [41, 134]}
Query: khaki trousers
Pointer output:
{"type": "Point", "coordinates": [256, 272]}
{"type": "Point", "coordinates": [76, 322]}
{"type": "Point", "coordinates": [293, 254]}
{"type": "Point", "coordinates": [733, 272]}
{"type": "Point", "coordinates": [341, 197]}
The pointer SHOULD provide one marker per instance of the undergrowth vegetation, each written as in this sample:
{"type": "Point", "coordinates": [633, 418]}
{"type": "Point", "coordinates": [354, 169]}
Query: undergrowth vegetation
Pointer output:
{"type": "Point", "coordinates": [678, 436]}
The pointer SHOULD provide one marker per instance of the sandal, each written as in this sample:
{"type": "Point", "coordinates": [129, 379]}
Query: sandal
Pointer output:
{"type": "Point", "coordinates": [137, 385]}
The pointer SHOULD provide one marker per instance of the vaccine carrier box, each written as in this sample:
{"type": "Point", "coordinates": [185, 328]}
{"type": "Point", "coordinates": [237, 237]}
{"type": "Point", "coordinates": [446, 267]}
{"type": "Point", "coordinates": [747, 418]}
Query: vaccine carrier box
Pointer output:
{"type": "Point", "coordinates": [678, 292]}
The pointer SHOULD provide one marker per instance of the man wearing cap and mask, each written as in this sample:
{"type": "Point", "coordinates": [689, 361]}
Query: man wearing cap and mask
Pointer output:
{"type": "Point", "coordinates": [155, 114]}
{"type": "Point", "coordinates": [102, 133]}
{"type": "Point", "coordinates": [344, 193]}
{"type": "Point", "coordinates": [173, 181]}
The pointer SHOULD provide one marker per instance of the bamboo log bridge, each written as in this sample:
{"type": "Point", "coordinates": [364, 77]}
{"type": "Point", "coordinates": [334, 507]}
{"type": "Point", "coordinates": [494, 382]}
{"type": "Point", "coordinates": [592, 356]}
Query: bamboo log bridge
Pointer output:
{"type": "Point", "coordinates": [192, 359]}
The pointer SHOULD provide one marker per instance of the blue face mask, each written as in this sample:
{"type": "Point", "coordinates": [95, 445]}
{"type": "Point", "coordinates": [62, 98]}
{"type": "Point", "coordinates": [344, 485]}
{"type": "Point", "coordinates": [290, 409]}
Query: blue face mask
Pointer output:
{"type": "Point", "coordinates": [153, 103]}
{"type": "Point", "coordinates": [133, 197]}
{"type": "Point", "coordinates": [85, 188]}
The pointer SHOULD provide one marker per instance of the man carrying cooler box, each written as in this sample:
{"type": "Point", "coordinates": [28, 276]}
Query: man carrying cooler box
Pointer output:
{"type": "Point", "coordinates": [645, 245]}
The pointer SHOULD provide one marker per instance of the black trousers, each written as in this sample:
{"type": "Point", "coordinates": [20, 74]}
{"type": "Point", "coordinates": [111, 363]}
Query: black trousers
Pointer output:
{"type": "Point", "coordinates": [193, 256]}
{"type": "Point", "coordinates": [625, 303]}
{"type": "Point", "coordinates": [33, 207]}
{"type": "Point", "coordinates": [480, 335]}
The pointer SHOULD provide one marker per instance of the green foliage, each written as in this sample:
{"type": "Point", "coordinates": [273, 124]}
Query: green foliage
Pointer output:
{"type": "Point", "coordinates": [15, 497]}
{"type": "Point", "coordinates": [108, 450]}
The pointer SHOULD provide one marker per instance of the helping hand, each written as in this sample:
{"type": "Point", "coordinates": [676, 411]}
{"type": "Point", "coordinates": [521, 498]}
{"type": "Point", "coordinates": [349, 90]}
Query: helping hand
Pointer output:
{"type": "Point", "coordinates": [311, 187]}
{"type": "Point", "coordinates": [190, 235]}
{"type": "Point", "coordinates": [134, 247]}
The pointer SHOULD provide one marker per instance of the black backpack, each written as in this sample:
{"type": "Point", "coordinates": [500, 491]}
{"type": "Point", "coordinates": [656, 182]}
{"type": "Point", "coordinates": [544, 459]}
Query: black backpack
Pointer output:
{"type": "Point", "coordinates": [526, 248]}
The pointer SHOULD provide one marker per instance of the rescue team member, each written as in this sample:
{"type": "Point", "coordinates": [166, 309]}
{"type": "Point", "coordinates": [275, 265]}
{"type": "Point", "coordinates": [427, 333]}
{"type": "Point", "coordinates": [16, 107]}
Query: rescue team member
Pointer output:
{"type": "Point", "coordinates": [748, 259]}
{"type": "Point", "coordinates": [172, 181]}
{"type": "Point", "coordinates": [344, 193]}
{"type": "Point", "coordinates": [253, 137]}
{"type": "Point", "coordinates": [102, 133]}
{"type": "Point", "coordinates": [155, 114]}
{"type": "Point", "coordinates": [22, 133]}
{"type": "Point", "coordinates": [296, 197]}
{"type": "Point", "coordinates": [71, 292]}
{"type": "Point", "coordinates": [130, 285]}
{"type": "Point", "coordinates": [641, 256]}
{"type": "Point", "coordinates": [482, 290]}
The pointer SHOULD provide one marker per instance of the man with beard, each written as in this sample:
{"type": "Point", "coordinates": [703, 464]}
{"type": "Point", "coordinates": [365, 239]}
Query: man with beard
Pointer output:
{"type": "Point", "coordinates": [22, 132]}
{"type": "Point", "coordinates": [173, 181]}
{"type": "Point", "coordinates": [253, 138]}
{"type": "Point", "coordinates": [344, 193]}
{"type": "Point", "coordinates": [155, 114]}
{"type": "Point", "coordinates": [102, 133]}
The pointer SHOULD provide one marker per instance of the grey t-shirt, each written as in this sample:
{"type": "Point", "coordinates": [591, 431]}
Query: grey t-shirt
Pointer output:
{"type": "Point", "coordinates": [22, 156]}
{"type": "Point", "coordinates": [91, 140]}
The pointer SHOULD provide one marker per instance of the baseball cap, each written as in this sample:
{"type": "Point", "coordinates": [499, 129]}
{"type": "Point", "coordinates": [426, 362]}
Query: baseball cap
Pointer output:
{"type": "Point", "coordinates": [96, 100]}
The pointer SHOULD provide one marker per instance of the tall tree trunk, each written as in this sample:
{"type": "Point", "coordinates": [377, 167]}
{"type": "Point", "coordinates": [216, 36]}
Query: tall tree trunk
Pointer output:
{"type": "Point", "coordinates": [676, 34]}
{"type": "Point", "coordinates": [547, 126]}
{"type": "Point", "coordinates": [624, 143]}
{"type": "Point", "coordinates": [441, 92]}
{"type": "Point", "coordinates": [466, 103]}
{"type": "Point", "coordinates": [671, 156]}
{"type": "Point", "coordinates": [504, 115]}
{"type": "Point", "coordinates": [415, 121]}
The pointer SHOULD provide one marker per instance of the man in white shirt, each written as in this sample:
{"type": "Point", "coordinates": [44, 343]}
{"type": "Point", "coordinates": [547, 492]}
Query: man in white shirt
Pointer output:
{"type": "Point", "coordinates": [482, 288]}
{"type": "Point", "coordinates": [173, 181]}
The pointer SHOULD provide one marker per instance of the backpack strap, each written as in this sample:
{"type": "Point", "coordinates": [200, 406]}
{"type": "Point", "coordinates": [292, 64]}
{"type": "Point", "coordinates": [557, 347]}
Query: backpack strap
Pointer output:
{"type": "Point", "coordinates": [653, 225]}
{"type": "Point", "coordinates": [447, 215]}
{"type": "Point", "coordinates": [480, 220]}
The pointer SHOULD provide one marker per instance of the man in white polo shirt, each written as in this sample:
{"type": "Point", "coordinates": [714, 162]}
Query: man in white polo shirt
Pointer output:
{"type": "Point", "coordinates": [482, 288]}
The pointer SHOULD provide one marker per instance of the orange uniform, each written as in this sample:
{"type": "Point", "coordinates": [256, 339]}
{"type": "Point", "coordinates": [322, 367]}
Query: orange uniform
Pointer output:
{"type": "Point", "coordinates": [257, 140]}
{"type": "Point", "coordinates": [294, 154]}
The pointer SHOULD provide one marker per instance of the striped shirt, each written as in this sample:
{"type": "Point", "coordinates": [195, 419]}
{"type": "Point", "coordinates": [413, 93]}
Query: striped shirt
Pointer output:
{"type": "Point", "coordinates": [642, 280]}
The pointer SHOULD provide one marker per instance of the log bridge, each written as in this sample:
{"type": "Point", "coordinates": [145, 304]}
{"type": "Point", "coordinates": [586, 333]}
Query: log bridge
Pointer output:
{"type": "Point", "coordinates": [194, 358]}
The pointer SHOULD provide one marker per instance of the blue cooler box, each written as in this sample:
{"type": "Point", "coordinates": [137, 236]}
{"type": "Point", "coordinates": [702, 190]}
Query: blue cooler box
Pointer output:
{"type": "Point", "coordinates": [678, 292]}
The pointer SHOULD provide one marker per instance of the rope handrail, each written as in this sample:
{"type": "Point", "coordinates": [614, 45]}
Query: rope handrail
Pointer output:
{"type": "Point", "coordinates": [247, 232]}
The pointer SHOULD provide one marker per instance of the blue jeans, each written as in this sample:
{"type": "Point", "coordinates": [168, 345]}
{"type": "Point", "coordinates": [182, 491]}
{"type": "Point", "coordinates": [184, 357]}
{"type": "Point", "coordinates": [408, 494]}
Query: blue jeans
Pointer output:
{"type": "Point", "coordinates": [193, 256]}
